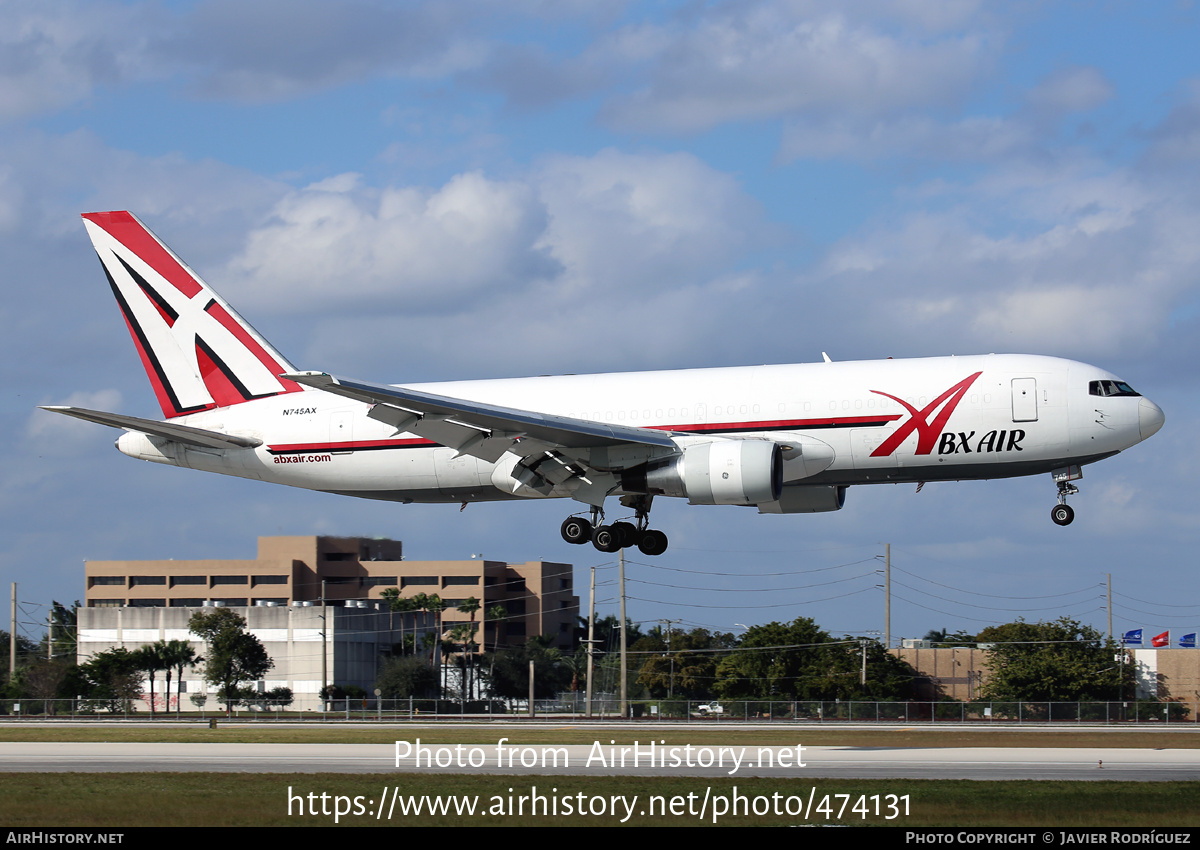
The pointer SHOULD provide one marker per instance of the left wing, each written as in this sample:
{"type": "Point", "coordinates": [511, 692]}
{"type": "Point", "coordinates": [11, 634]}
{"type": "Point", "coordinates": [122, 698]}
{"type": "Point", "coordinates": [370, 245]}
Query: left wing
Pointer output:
{"type": "Point", "coordinates": [553, 450]}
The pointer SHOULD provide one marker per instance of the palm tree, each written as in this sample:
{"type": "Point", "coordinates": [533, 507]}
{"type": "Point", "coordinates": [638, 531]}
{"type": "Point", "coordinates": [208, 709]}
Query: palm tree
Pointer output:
{"type": "Point", "coordinates": [497, 614]}
{"type": "Point", "coordinates": [150, 661]}
{"type": "Point", "coordinates": [176, 655]}
{"type": "Point", "coordinates": [469, 606]}
{"type": "Point", "coordinates": [434, 604]}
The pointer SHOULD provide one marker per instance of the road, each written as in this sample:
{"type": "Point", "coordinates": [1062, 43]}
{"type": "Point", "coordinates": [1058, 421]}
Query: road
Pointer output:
{"type": "Point", "coordinates": [701, 760]}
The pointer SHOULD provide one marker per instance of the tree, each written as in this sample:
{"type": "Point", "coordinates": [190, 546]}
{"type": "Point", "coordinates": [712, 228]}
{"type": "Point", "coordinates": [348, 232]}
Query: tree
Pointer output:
{"type": "Point", "coordinates": [176, 655]}
{"type": "Point", "coordinates": [689, 670]}
{"type": "Point", "coordinates": [510, 670]}
{"type": "Point", "coordinates": [406, 677]}
{"type": "Point", "coordinates": [149, 660]}
{"type": "Point", "coordinates": [234, 655]}
{"type": "Point", "coordinates": [466, 638]}
{"type": "Point", "coordinates": [800, 661]}
{"type": "Point", "coordinates": [1062, 661]}
{"type": "Point", "coordinates": [113, 677]}
{"type": "Point", "coordinates": [497, 614]}
{"type": "Point", "coordinates": [402, 605]}
{"type": "Point", "coordinates": [62, 631]}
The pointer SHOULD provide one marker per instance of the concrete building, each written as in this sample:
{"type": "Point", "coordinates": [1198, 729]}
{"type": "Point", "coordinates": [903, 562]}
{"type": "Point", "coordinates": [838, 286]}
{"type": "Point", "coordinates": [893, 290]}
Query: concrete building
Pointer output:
{"type": "Point", "coordinates": [960, 672]}
{"type": "Point", "coordinates": [352, 640]}
{"type": "Point", "coordinates": [280, 592]}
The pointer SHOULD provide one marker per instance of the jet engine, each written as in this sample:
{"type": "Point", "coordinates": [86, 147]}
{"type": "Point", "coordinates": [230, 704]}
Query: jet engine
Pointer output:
{"type": "Point", "coordinates": [723, 472]}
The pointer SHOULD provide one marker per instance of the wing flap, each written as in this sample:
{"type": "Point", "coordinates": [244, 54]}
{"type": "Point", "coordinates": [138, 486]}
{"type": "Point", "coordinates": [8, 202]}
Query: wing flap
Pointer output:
{"type": "Point", "coordinates": [167, 430]}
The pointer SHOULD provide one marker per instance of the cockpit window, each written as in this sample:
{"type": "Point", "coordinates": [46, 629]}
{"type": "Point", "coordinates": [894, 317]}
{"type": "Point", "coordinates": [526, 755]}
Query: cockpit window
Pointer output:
{"type": "Point", "coordinates": [1111, 388]}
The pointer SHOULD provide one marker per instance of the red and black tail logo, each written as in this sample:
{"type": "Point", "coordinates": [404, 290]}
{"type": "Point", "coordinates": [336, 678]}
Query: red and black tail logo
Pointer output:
{"type": "Point", "coordinates": [198, 352]}
{"type": "Point", "coordinates": [918, 420]}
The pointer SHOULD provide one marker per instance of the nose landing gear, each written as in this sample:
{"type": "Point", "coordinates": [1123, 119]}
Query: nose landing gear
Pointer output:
{"type": "Point", "coordinates": [1062, 513]}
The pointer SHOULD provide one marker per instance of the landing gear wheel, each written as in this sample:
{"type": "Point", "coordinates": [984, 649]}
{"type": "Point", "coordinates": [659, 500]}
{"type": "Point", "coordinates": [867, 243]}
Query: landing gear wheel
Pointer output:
{"type": "Point", "coordinates": [627, 533]}
{"type": "Point", "coordinates": [1062, 514]}
{"type": "Point", "coordinates": [605, 539]}
{"type": "Point", "coordinates": [576, 530]}
{"type": "Point", "coordinates": [652, 542]}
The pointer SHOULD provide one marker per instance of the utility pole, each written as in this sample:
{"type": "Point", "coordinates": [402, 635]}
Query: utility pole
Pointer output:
{"type": "Point", "coordinates": [887, 595]}
{"type": "Point", "coordinates": [12, 633]}
{"type": "Point", "coordinates": [324, 649]}
{"type": "Point", "coordinates": [671, 681]}
{"type": "Point", "coordinates": [1109, 582]}
{"type": "Point", "coordinates": [624, 657]}
{"type": "Point", "coordinates": [591, 641]}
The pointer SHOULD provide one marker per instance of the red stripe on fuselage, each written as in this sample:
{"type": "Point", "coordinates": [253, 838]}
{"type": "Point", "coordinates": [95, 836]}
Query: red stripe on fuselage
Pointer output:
{"type": "Point", "coordinates": [350, 446]}
{"type": "Point", "coordinates": [781, 424]}
{"type": "Point", "coordinates": [732, 427]}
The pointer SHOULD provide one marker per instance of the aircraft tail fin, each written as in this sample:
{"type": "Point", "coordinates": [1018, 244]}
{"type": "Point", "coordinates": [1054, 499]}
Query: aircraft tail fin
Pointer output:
{"type": "Point", "coordinates": [197, 351]}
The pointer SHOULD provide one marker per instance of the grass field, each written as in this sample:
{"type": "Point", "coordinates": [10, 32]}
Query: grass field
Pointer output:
{"type": "Point", "coordinates": [231, 799]}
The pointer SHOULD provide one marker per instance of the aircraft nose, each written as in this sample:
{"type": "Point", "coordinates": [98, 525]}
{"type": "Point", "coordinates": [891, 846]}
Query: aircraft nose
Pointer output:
{"type": "Point", "coordinates": [1150, 418]}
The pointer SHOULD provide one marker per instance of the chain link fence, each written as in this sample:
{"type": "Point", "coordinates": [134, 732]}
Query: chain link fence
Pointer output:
{"type": "Point", "coordinates": [573, 706]}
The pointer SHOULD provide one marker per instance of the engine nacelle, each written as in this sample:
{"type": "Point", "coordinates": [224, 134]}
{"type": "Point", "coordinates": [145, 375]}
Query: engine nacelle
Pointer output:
{"type": "Point", "coordinates": [723, 472]}
{"type": "Point", "coordinates": [806, 499]}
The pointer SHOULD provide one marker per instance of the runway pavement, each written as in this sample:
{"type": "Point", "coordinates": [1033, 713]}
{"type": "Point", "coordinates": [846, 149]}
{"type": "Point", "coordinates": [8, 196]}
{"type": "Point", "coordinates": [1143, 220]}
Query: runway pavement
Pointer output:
{"type": "Point", "coordinates": [706, 760]}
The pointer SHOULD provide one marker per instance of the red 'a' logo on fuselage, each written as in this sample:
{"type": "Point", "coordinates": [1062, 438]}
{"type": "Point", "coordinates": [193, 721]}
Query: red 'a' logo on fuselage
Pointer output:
{"type": "Point", "coordinates": [918, 420]}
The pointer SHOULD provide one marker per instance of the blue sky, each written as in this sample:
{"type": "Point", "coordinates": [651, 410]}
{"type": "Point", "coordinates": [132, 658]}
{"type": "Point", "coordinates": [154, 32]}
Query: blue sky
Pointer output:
{"type": "Point", "coordinates": [421, 191]}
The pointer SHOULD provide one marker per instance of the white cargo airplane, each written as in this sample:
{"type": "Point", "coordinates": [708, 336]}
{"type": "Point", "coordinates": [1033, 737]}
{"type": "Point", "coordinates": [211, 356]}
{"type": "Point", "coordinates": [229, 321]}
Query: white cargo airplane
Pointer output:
{"type": "Point", "coordinates": [784, 439]}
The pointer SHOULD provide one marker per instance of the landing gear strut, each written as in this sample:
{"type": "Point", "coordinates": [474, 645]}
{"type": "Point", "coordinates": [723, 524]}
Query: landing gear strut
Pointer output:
{"type": "Point", "coordinates": [619, 535]}
{"type": "Point", "coordinates": [1062, 513]}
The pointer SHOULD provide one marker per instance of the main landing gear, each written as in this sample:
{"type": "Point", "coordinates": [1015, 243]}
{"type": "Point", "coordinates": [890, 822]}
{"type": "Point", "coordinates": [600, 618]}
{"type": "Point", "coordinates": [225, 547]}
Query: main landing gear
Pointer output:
{"type": "Point", "coordinates": [1062, 513]}
{"type": "Point", "coordinates": [619, 535]}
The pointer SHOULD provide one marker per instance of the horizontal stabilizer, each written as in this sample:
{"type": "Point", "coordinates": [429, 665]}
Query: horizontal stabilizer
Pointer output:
{"type": "Point", "coordinates": [168, 431]}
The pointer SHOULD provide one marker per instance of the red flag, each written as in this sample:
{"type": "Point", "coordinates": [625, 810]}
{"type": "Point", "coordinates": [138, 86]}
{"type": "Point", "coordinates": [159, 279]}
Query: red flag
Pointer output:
{"type": "Point", "coordinates": [1162, 640]}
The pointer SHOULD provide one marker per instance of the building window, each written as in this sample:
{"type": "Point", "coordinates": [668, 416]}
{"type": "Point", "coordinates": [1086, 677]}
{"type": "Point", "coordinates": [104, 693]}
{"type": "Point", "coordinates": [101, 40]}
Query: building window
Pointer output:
{"type": "Point", "coordinates": [232, 601]}
{"type": "Point", "coordinates": [106, 581]}
{"type": "Point", "coordinates": [340, 580]}
{"type": "Point", "coordinates": [106, 603]}
{"type": "Point", "coordinates": [564, 584]}
{"type": "Point", "coordinates": [515, 606]}
{"type": "Point", "coordinates": [186, 603]}
{"type": "Point", "coordinates": [230, 580]}
{"type": "Point", "coordinates": [449, 580]}
{"type": "Point", "coordinates": [134, 581]}
{"type": "Point", "coordinates": [147, 603]}
{"type": "Point", "coordinates": [257, 580]}
{"type": "Point", "coordinates": [379, 581]}
{"type": "Point", "coordinates": [340, 556]}
{"type": "Point", "coordinates": [418, 581]}
{"type": "Point", "coordinates": [180, 580]}
{"type": "Point", "coordinates": [516, 629]}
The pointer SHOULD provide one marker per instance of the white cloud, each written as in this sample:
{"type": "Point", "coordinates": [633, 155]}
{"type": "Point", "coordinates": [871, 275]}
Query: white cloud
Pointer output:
{"type": "Point", "coordinates": [54, 428]}
{"type": "Point", "coordinates": [640, 224]}
{"type": "Point", "coordinates": [339, 245]}
{"type": "Point", "coordinates": [1075, 89]}
{"type": "Point", "coordinates": [55, 52]}
{"type": "Point", "coordinates": [750, 61]}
